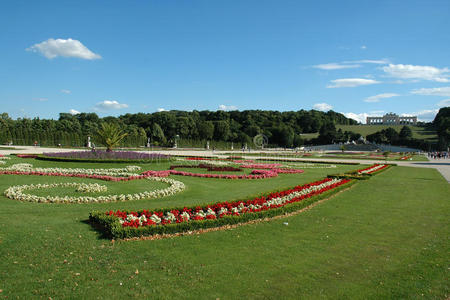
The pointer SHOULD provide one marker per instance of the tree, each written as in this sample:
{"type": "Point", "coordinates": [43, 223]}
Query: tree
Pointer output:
{"type": "Point", "coordinates": [206, 130]}
{"type": "Point", "coordinates": [109, 135]}
{"type": "Point", "coordinates": [327, 133]}
{"type": "Point", "coordinates": [157, 134]}
{"type": "Point", "coordinates": [405, 133]}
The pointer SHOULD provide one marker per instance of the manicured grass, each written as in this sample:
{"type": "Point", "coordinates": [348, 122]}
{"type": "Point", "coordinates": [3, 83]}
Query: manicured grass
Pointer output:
{"type": "Point", "coordinates": [384, 238]}
{"type": "Point", "coordinates": [418, 131]}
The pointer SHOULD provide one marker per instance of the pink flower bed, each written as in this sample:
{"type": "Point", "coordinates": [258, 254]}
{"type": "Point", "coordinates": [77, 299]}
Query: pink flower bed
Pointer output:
{"type": "Point", "coordinates": [255, 174]}
{"type": "Point", "coordinates": [260, 166]}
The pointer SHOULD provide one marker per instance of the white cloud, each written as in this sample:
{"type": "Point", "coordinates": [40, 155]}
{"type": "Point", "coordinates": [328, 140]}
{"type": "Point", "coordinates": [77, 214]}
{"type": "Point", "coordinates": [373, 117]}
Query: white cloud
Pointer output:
{"type": "Point", "coordinates": [417, 72]}
{"type": "Point", "coordinates": [444, 103]}
{"type": "Point", "coordinates": [369, 61]}
{"type": "Point", "coordinates": [363, 47]}
{"type": "Point", "coordinates": [227, 107]}
{"type": "Point", "coordinates": [336, 66]}
{"type": "Point", "coordinates": [377, 98]}
{"type": "Point", "coordinates": [52, 48]}
{"type": "Point", "coordinates": [361, 118]}
{"type": "Point", "coordinates": [442, 91]}
{"type": "Point", "coordinates": [161, 109]}
{"type": "Point", "coordinates": [109, 105]}
{"type": "Point", "coordinates": [376, 112]}
{"type": "Point", "coordinates": [351, 82]}
{"type": "Point", "coordinates": [41, 99]}
{"type": "Point", "coordinates": [73, 112]}
{"type": "Point", "coordinates": [322, 106]}
{"type": "Point", "coordinates": [65, 91]}
{"type": "Point", "coordinates": [426, 115]}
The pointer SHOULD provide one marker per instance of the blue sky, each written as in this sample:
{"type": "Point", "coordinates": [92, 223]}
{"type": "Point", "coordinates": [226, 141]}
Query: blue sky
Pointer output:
{"type": "Point", "coordinates": [115, 57]}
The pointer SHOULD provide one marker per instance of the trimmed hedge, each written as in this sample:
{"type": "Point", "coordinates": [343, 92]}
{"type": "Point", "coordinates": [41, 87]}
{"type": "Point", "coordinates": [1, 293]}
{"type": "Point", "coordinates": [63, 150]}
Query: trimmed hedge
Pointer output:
{"type": "Point", "coordinates": [112, 228]}
{"type": "Point", "coordinates": [93, 160]}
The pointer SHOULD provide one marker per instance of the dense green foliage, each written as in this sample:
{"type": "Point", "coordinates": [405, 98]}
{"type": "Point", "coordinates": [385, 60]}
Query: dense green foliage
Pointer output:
{"type": "Point", "coordinates": [442, 124]}
{"type": "Point", "coordinates": [404, 138]}
{"type": "Point", "coordinates": [282, 128]}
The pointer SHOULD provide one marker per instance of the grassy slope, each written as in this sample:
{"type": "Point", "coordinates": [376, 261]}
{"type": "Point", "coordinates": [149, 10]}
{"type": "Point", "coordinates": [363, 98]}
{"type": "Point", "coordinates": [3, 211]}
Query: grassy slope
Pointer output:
{"type": "Point", "coordinates": [377, 240]}
{"type": "Point", "coordinates": [364, 130]}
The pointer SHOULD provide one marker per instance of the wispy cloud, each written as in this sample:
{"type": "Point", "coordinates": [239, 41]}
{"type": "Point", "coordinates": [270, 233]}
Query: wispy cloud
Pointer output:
{"type": "Point", "coordinates": [417, 72]}
{"type": "Point", "coordinates": [227, 107]}
{"type": "Point", "coordinates": [441, 91]}
{"type": "Point", "coordinates": [363, 47]}
{"type": "Point", "coordinates": [383, 61]}
{"type": "Point", "coordinates": [444, 103]}
{"type": "Point", "coordinates": [322, 106]}
{"type": "Point", "coordinates": [336, 66]}
{"type": "Point", "coordinates": [40, 99]}
{"type": "Point", "coordinates": [52, 48]}
{"type": "Point", "coordinates": [73, 112]}
{"type": "Point", "coordinates": [349, 64]}
{"type": "Point", "coordinates": [161, 109]}
{"type": "Point", "coordinates": [66, 91]}
{"type": "Point", "coordinates": [109, 105]}
{"type": "Point", "coordinates": [378, 97]}
{"type": "Point", "coordinates": [351, 82]}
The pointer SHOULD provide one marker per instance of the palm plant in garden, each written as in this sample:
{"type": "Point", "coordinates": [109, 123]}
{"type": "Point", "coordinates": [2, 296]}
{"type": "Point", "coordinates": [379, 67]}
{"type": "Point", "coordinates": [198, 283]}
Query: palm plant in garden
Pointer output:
{"type": "Point", "coordinates": [110, 135]}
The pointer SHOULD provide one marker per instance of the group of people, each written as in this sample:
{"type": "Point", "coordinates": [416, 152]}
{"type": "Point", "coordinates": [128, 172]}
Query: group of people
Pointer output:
{"type": "Point", "coordinates": [438, 155]}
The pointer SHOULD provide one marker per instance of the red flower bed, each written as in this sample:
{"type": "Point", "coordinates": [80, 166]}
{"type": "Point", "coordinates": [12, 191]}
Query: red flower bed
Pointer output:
{"type": "Point", "coordinates": [196, 158]}
{"type": "Point", "coordinates": [27, 155]}
{"type": "Point", "coordinates": [219, 210]}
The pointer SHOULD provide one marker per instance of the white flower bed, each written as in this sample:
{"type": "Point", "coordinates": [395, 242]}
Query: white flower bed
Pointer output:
{"type": "Point", "coordinates": [17, 192]}
{"type": "Point", "coordinates": [124, 172]}
{"type": "Point", "coordinates": [91, 188]}
{"type": "Point", "coordinates": [312, 166]}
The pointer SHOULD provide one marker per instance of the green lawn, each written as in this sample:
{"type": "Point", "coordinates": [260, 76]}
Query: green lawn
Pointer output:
{"type": "Point", "coordinates": [385, 238]}
{"type": "Point", "coordinates": [364, 130]}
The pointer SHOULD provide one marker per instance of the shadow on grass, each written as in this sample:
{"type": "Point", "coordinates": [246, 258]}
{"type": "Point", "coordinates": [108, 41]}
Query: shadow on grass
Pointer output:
{"type": "Point", "coordinates": [101, 235]}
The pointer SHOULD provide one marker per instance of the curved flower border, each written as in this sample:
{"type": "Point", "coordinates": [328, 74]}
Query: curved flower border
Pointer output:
{"type": "Point", "coordinates": [220, 210]}
{"type": "Point", "coordinates": [16, 193]}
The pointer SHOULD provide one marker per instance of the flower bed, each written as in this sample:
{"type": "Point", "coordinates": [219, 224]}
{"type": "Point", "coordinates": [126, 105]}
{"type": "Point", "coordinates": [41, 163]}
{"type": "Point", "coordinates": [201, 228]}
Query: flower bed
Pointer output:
{"type": "Point", "coordinates": [17, 192]}
{"type": "Point", "coordinates": [114, 174]}
{"type": "Point", "coordinates": [208, 167]}
{"type": "Point", "coordinates": [3, 158]}
{"type": "Point", "coordinates": [104, 156]}
{"type": "Point", "coordinates": [255, 174]}
{"type": "Point", "coordinates": [362, 174]}
{"type": "Point", "coordinates": [27, 155]}
{"type": "Point", "coordinates": [127, 224]}
{"type": "Point", "coordinates": [261, 166]}
{"type": "Point", "coordinates": [406, 157]}
{"type": "Point", "coordinates": [372, 169]}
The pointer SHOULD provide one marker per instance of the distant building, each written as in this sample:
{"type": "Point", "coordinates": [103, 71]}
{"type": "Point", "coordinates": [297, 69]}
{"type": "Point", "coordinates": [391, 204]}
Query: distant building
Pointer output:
{"type": "Point", "coordinates": [391, 119]}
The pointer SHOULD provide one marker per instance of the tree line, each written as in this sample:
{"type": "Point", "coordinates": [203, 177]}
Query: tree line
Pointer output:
{"type": "Point", "coordinates": [283, 129]}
